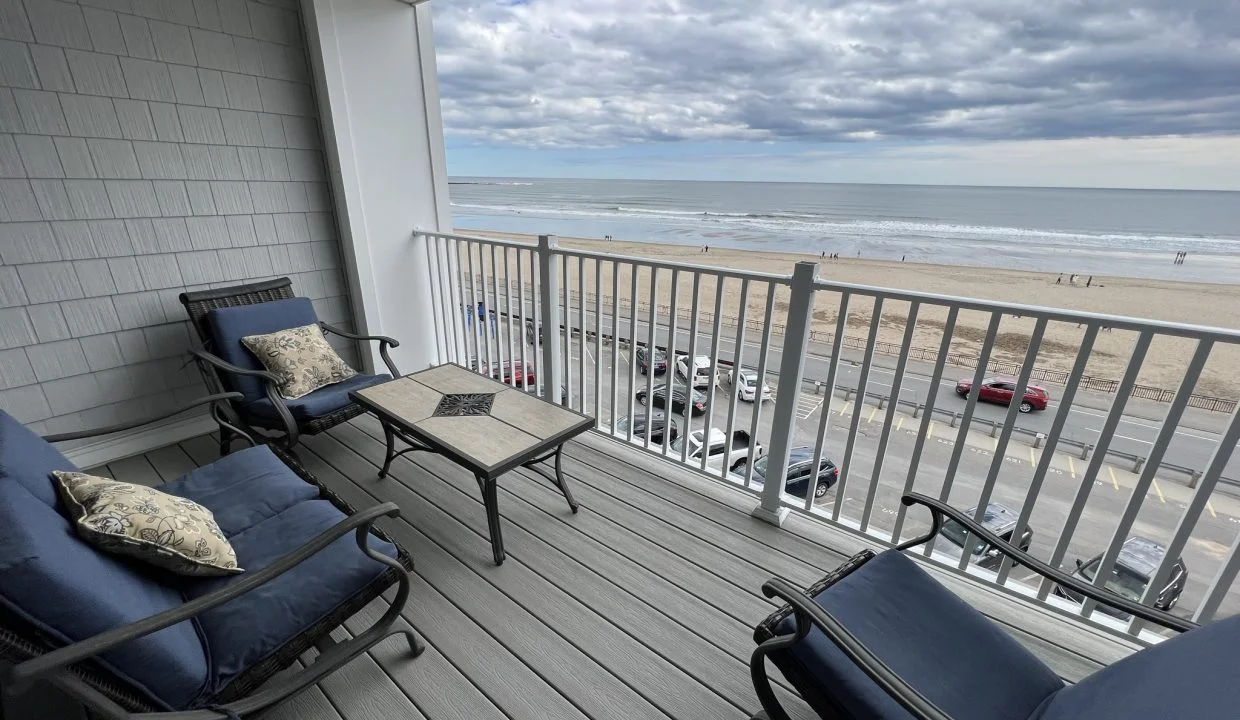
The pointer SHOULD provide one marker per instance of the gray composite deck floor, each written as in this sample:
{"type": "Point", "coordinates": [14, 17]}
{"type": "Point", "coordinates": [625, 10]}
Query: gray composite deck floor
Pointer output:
{"type": "Point", "coordinates": [640, 606]}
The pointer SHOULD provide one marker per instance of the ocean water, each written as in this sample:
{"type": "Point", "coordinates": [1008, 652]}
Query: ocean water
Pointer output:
{"type": "Point", "coordinates": [1092, 232]}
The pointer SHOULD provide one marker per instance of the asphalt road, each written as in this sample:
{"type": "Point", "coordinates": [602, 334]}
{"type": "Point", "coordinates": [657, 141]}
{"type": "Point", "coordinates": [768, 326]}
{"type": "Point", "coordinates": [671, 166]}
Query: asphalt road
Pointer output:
{"type": "Point", "coordinates": [1160, 511]}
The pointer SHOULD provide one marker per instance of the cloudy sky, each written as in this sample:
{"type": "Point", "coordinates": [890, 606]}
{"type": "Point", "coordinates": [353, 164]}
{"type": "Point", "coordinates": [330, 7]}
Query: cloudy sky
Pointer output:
{"type": "Point", "coordinates": [1142, 93]}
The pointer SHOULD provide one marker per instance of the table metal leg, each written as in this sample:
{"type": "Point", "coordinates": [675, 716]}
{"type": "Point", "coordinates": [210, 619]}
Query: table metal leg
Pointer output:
{"type": "Point", "coordinates": [490, 498]}
{"type": "Point", "coordinates": [390, 436]}
{"type": "Point", "coordinates": [558, 478]}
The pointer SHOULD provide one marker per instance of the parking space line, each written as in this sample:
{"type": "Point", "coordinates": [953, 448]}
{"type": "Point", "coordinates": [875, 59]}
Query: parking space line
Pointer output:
{"type": "Point", "coordinates": [1111, 472]}
{"type": "Point", "coordinates": [996, 445]}
{"type": "Point", "coordinates": [1071, 467]}
{"type": "Point", "coordinates": [870, 419]}
{"type": "Point", "coordinates": [900, 424]}
{"type": "Point", "coordinates": [930, 430]}
{"type": "Point", "coordinates": [844, 407]}
{"type": "Point", "coordinates": [1210, 507]}
{"type": "Point", "coordinates": [1158, 490]}
{"type": "Point", "coordinates": [1032, 460]}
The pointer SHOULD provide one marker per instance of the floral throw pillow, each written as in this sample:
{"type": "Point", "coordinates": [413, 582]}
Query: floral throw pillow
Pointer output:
{"type": "Point", "coordinates": [302, 357]}
{"type": "Point", "coordinates": [164, 530]}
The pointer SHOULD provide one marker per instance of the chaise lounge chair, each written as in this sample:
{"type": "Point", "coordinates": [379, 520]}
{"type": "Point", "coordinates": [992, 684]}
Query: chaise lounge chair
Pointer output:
{"type": "Point", "coordinates": [880, 638]}
{"type": "Point", "coordinates": [125, 637]}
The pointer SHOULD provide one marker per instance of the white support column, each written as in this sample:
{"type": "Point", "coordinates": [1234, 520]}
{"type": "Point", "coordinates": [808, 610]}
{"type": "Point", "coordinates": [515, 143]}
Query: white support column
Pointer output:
{"type": "Point", "coordinates": [378, 99]}
{"type": "Point", "coordinates": [549, 301]}
{"type": "Point", "coordinates": [791, 370]}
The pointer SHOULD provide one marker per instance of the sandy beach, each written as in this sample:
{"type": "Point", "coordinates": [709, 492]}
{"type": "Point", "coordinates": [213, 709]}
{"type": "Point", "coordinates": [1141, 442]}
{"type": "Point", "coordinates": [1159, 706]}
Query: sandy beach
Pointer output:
{"type": "Point", "coordinates": [1195, 303]}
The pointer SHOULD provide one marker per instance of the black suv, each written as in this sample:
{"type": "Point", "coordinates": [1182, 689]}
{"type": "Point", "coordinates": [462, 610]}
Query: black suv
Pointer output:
{"type": "Point", "coordinates": [800, 466]}
{"type": "Point", "coordinates": [680, 399]}
{"type": "Point", "coordinates": [643, 361]}
{"type": "Point", "coordinates": [1138, 559]}
{"type": "Point", "coordinates": [658, 423]}
{"type": "Point", "coordinates": [1000, 520]}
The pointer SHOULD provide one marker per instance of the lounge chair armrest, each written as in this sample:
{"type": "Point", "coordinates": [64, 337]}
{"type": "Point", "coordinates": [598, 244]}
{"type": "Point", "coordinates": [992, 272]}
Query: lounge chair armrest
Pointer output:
{"type": "Point", "coordinates": [939, 510]}
{"type": "Point", "coordinates": [226, 366]}
{"type": "Point", "coordinates": [810, 614]}
{"type": "Point", "coordinates": [80, 434]}
{"type": "Point", "coordinates": [384, 341]}
{"type": "Point", "coordinates": [61, 658]}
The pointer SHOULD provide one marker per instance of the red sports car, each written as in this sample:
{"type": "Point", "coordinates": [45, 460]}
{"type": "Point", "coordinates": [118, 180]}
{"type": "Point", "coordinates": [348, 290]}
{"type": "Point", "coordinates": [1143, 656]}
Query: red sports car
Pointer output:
{"type": "Point", "coordinates": [1002, 389]}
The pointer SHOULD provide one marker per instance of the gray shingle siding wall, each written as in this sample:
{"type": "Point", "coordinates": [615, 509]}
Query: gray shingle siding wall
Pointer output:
{"type": "Point", "coordinates": [147, 147]}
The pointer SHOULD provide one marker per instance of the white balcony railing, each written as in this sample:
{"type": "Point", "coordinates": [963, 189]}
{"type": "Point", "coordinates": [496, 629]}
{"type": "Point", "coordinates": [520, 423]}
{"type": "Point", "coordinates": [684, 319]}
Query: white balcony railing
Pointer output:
{"type": "Point", "coordinates": [579, 321]}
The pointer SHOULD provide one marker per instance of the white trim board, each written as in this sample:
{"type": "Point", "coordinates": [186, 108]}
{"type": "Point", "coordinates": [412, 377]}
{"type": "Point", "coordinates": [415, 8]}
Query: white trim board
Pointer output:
{"type": "Point", "coordinates": [137, 441]}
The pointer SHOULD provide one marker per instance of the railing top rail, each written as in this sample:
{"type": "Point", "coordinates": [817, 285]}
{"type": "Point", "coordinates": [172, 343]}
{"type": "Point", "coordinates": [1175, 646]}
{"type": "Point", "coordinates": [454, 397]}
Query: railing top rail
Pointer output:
{"type": "Point", "coordinates": [684, 267]}
{"type": "Point", "coordinates": [474, 238]}
{"type": "Point", "coordinates": [1118, 322]}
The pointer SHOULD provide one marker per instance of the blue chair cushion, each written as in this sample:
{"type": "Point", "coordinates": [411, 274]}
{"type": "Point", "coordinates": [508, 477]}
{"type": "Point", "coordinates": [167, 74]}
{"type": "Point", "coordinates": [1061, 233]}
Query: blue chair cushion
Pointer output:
{"type": "Point", "coordinates": [29, 460]}
{"type": "Point", "coordinates": [1189, 676]}
{"type": "Point", "coordinates": [941, 646]}
{"type": "Point", "coordinates": [321, 402]}
{"type": "Point", "coordinates": [250, 628]}
{"type": "Point", "coordinates": [229, 325]}
{"type": "Point", "coordinates": [71, 591]}
{"type": "Point", "coordinates": [243, 488]}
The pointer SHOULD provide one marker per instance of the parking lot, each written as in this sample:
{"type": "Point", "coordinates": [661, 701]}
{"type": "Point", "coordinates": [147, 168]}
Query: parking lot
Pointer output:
{"type": "Point", "coordinates": [593, 393]}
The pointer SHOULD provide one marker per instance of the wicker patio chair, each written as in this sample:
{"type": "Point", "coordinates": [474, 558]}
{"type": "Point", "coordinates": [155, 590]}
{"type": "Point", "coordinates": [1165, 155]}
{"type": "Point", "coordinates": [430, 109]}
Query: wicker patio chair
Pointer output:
{"type": "Point", "coordinates": [227, 366]}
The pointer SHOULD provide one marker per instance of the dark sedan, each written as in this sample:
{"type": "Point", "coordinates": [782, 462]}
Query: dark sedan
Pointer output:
{"type": "Point", "coordinates": [1138, 559]}
{"type": "Point", "coordinates": [658, 424]}
{"type": "Point", "coordinates": [643, 361]}
{"type": "Point", "coordinates": [680, 399]}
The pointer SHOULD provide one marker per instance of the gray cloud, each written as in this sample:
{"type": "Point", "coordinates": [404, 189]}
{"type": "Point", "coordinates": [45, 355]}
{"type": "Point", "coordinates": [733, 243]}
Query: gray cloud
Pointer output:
{"type": "Point", "coordinates": [589, 73]}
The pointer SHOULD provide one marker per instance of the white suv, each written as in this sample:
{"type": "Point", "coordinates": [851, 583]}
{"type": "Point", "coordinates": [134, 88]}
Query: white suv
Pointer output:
{"type": "Point", "coordinates": [746, 382]}
{"type": "Point", "coordinates": [701, 370]}
{"type": "Point", "coordinates": [720, 453]}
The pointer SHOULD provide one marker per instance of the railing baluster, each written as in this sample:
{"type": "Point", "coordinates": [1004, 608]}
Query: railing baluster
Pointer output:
{"type": "Point", "coordinates": [548, 315]}
{"type": "Point", "coordinates": [472, 310]}
{"type": "Point", "coordinates": [966, 418]}
{"type": "Point", "coordinates": [1112, 421]}
{"type": "Point", "coordinates": [737, 358]}
{"type": "Point", "coordinates": [867, 361]}
{"type": "Point", "coordinates": [525, 385]}
{"type": "Point", "coordinates": [1005, 435]}
{"type": "Point", "coordinates": [615, 339]}
{"type": "Point", "coordinates": [919, 441]}
{"type": "Point", "coordinates": [494, 323]}
{"type": "Point", "coordinates": [824, 420]}
{"type": "Point", "coordinates": [651, 322]}
{"type": "Point", "coordinates": [1052, 442]}
{"type": "Point", "coordinates": [583, 347]}
{"type": "Point", "coordinates": [566, 317]}
{"type": "Point", "coordinates": [692, 367]}
{"type": "Point", "coordinates": [508, 315]}
{"type": "Point", "coordinates": [456, 295]}
{"type": "Point", "coordinates": [672, 332]}
{"type": "Point", "coordinates": [598, 340]}
{"type": "Point", "coordinates": [436, 285]}
{"type": "Point", "coordinates": [709, 419]}
{"type": "Point", "coordinates": [763, 351]}
{"type": "Point", "coordinates": [897, 381]}
{"type": "Point", "coordinates": [1152, 464]}
{"type": "Point", "coordinates": [633, 271]}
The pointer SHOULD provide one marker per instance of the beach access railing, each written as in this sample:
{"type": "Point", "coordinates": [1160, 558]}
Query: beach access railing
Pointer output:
{"type": "Point", "coordinates": [501, 304]}
{"type": "Point", "coordinates": [1213, 403]}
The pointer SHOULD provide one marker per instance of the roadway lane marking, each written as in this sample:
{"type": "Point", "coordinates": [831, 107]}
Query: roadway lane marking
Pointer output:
{"type": "Point", "coordinates": [870, 419]}
{"type": "Point", "coordinates": [1141, 424]}
{"type": "Point", "coordinates": [1071, 467]}
{"type": "Point", "coordinates": [1159, 491]}
{"type": "Point", "coordinates": [1210, 507]}
{"type": "Point", "coordinates": [1111, 472]}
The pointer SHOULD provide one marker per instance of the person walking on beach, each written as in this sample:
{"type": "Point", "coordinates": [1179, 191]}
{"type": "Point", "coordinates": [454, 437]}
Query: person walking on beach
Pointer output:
{"type": "Point", "coordinates": [1090, 281]}
{"type": "Point", "coordinates": [1072, 279]}
{"type": "Point", "coordinates": [1059, 280]}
